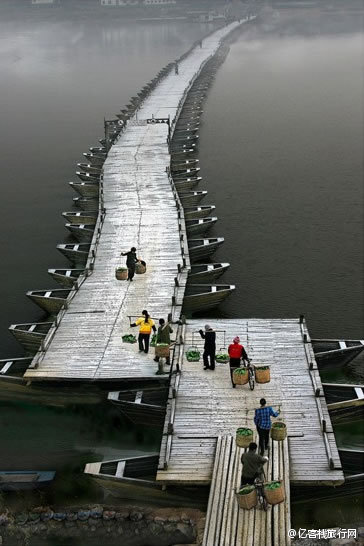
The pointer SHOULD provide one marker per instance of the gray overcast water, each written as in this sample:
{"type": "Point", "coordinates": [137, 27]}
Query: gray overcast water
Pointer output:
{"type": "Point", "coordinates": [281, 155]}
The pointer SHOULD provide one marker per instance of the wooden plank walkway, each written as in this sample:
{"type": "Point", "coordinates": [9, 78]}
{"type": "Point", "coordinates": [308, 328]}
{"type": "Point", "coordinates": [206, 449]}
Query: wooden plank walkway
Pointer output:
{"type": "Point", "coordinates": [140, 211]}
{"type": "Point", "coordinates": [206, 406]}
{"type": "Point", "coordinates": [229, 525]}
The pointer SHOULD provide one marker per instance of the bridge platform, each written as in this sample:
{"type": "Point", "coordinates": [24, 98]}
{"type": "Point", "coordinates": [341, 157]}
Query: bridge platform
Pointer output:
{"type": "Point", "coordinates": [141, 211]}
{"type": "Point", "coordinates": [204, 406]}
{"type": "Point", "coordinates": [227, 524]}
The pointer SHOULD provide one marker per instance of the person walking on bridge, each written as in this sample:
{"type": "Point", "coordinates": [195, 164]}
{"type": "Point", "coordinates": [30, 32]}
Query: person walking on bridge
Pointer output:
{"type": "Point", "coordinates": [209, 348]}
{"type": "Point", "coordinates": [131, 261]}
{"type": "Point", "coordinates": [252, 465]}
{"type": "Point", "coordinates": [146, 325]}
{"type": "Point", "coordinates": [236, 353]}
{"type": "Point", "coordinates": [164, 336]}
{"type": "Point", "coordinates": [263, 423]}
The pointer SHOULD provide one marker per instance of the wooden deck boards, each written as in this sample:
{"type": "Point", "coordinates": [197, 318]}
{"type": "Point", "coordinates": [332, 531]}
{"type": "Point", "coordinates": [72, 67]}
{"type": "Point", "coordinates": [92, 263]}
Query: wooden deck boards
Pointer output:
{"type": "Point", "coordinates": [229, 525]}
{"type": "Point", "coordinates": [140, 211]}
{"type": "Point", "coordinates": [207, 406]}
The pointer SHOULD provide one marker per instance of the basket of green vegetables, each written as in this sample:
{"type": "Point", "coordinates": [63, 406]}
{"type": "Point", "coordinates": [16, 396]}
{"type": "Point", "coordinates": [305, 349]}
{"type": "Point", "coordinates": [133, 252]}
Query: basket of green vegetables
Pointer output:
{"type": "Point", "coordinates": [244, 436]}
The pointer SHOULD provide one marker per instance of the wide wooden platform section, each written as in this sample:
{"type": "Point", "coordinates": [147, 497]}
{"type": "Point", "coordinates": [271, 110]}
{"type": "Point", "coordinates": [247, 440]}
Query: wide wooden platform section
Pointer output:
{"type": "Point", "coordinates": [140, 211]}
{"type": "Point", "coordinates": [206, 406]}
{"type": "Point", "coordinates": [229, 525]}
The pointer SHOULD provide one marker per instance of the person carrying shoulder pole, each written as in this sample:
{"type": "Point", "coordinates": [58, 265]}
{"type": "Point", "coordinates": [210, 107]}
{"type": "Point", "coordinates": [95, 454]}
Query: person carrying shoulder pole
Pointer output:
{"type": "Point", "coordinates": [252, 465]}
{"type": "Point", "coordinates": [146, 325]}
{"type": "Point", "coordinates": [236, 352]}
{"type": "Point", "coordinates": [263, 423]}
{"type": "Point", "coordinates": [209, 347]}
{"type": "Point", "coordinates": [131, 261]}
{"type": "Point", "coordinates": [163, 336]}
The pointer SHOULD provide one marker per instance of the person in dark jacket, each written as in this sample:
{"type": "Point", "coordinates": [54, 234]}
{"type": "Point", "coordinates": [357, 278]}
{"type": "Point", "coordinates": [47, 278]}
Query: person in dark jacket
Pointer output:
{"type": "Point", "coordinates": [236, 353]}
{"type": "Point", "coordinates": [252, 465]}
{"type": "Point", "coordinates": [164, 336]}
{"type": "Point", "coordinates": [209, 348]}
{"type": "Point", "coordinates": [131, 261]}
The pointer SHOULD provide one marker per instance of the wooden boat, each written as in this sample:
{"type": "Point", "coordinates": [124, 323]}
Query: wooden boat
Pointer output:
{"type": "Point", "coordinates": [200, 297]}
{"type": "Point", "coordinates": [184, 164]}
{"type": "Point", "coordinates": [30, 335]}
{"type": "Point", "coordinates": [352, 460]}
{"type": "Point", "coordinates": [201, 273]}
{"type": "Point", "coordinates": [86, 203]}
{"type": "Point", "coordinates": [66, 277]}
{"type": "Point", "coordinates": [22, 480]}
{"type": "Point", "coordinates": [202, 248]}
{"type": "Point", "coordinates": [82, 232]}
{"type": "Point", "coordinates": [76, 253]}
{"type": "Point", "coordinates": [134, 478]}
{"type": "Point", "coordinates": [51, 301]}
{"type": "Point", "coordinates": [95, 159]}
{"type": "Point", "coordinates": [179, 153]}
{"type": "Point", "coordinates": [186, 140]}
{"type": "Point", "coordinates": [179, 147]}
{"type": "Point", "coordinates": [192, 213]}
{"type": "Point", "coordinates": [142, 407]}
{"type": "Point", "coordinates": [336, 352]}
{"type": "Point", "coordinates": [353, 486]}
{"type": "Point", "coordinates": [89, 168]}
{"type": "Point", "coordinates": [86, 189]}
{"type": "Point", "coordinates": [73, 217]}
{"type": "Point", "coordinates": [345, 402]}
{"type": "Point", "coordinates": [14, 366]}
{"type": "Point", "coordinates": [186, 130]}
{"type": "Point", "coordinates": [101, 150]}
{"type": "Point", "coordinates": [196, 227]}
{"type": "Point", "coordinates": [87, 177]}
{"type": "Point", "coordinates": [185, 173]}
{"type": "Point", "coordinates": [188, 184]}
{"type": "Point", "coordinates": [192, 197]}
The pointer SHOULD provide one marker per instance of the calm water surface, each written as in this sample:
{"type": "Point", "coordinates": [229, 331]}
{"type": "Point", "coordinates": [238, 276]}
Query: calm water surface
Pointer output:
{"type": "Point", "coordinates": [281, 155]}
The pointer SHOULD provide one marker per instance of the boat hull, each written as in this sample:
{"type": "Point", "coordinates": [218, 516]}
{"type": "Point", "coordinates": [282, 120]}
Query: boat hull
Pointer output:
{"type": "Point", "coordinates": [81, 217]}
{"type": "Point", "coordinates": [210, 274]}
{"type": "Point", "coordinates": [86, 203]}
{"type": "Point", "coordinates": [81, 232]}
{"type": "Point", "coordinates": [90, 189]}
{"type": "Point", "coordinates": [50, 304]}
{"type": "Point", "coordinates": [30, 336]}
{"type": "Point", "coordinates": [76, 254]}
{"type": "Point", "coordinates": [192, 198]}
{"type": "Point", "coordinates": [25, 481]}
{"type": "Point", "coordinates": [203, 251]}
{"type": "Point", "coordinates": [195, 213]}
{"type": "Point", "coordinates": [66, 277]}
{"type": "Point", "coordinates": [201, 227]}
{"type": "Point", "coordinates": [206, 300]}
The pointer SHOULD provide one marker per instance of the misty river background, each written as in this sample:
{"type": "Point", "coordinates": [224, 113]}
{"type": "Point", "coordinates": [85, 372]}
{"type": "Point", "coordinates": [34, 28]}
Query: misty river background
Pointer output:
{"type": "Point", "coordinates": [281, 155]}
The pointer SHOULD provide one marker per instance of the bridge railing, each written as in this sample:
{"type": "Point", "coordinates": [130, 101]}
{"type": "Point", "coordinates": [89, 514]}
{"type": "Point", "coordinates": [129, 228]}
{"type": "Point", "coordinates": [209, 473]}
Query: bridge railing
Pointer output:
{"type": "Point", "coordinates": [317, 387]}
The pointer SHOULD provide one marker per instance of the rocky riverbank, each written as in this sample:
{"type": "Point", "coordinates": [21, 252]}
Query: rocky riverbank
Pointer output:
{"type": "Point", "coordinates": [129, 526]}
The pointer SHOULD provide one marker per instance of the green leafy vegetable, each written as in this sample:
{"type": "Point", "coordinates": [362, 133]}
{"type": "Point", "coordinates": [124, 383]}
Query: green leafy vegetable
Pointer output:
{"type": "Point", "coordinates": [246, 490]}
{"type": "Point", "coordinates": [153, 341]}
{"type": "Point", "coordinates": [222, 357]}
{"type": "Point", "coordinates": [262, 368]}
{"type": "Point", "coordinates": [278, 425]}
{"type": "Point", "coordinates": [162, 344]}
{"type": "Point", "coordinates": [272, 485]}
{"type": "Point", "coordinates": [129, 338]}
{"type": "Point", "coordinates": [240, 371]}
{"type": "Point", "coordinates": [244, 431]}
{"type": "Point", "coordinates": [193, 356]}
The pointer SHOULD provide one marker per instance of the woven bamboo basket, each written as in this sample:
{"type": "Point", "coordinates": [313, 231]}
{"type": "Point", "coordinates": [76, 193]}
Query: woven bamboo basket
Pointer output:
{"type": "Point", "coordinates": [121, 273]}
{"type": "Point", "coordinates": [262, 375]}
{"type": "Point", "coordinates": [248, 501]}
{"type": "Point", "coordinates": [162, 351]}
{"type": "Point", "coordinates": [243, 441]}
{"type": "Point", "coordinates": [140, 269]}
{"type": "Point", "coordinates": [278, 433]}
{"type": "Point", "coordinates": [274, 496]}
{"type": "Point", "coordinates": [240, 379]}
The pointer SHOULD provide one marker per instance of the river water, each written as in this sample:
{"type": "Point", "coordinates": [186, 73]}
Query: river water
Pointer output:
{"type": "Point", "coordinates": [281, 154]}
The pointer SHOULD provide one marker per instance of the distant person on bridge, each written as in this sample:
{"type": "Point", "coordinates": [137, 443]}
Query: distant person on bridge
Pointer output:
{"type": "Point", "coordinates": [164, 336]}
{"type": "Point", "coordinates": [263, 423]}
{"type": "Point", "coordinates": [209, 348]}
{"type": "Point", "coordinates": [131, 261]}
{"type": "Point", "coordinates": [252, 465]}
{"type": "Point", "coordinates": [146, 325]}
{"type": "Point", "coordinates": [236, 353]}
